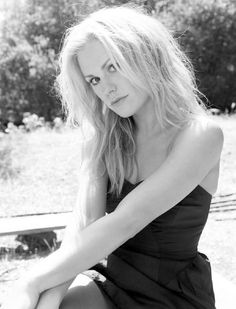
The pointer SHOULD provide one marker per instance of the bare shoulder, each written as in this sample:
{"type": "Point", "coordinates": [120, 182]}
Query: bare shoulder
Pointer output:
{"type": "Point", "coordinates": [206, 123]}
{"type": "Point", "coordinates": [202, 138]}
{"type": "Point", "coordinates": [201, 130]}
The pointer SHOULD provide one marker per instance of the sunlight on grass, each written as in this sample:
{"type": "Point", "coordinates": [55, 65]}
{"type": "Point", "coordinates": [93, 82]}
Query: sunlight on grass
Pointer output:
{"type": "Point", "coordinates": [49, 163]}
{"type": "Point", "coordinates": [227, 179]}
{"type": "Point", "coordinates": [48, 179]}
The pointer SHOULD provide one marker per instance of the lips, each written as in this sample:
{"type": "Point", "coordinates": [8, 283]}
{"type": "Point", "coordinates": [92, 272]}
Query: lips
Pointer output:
{"type": "Point", "coordinates": [118, 99]}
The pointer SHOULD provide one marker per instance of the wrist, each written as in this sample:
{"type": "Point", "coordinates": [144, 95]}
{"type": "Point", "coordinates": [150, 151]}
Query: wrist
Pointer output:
{"type": "Point", "coordinates": [49, 299]}
{"type": "Point", "coordinates": [28, 284]}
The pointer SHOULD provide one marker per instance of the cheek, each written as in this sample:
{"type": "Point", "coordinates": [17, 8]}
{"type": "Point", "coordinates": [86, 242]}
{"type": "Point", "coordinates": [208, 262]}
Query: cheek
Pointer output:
{"type": "Point", "coordinates": [97, 92]}
{"type": "Point", "coordinates": [143, 96]}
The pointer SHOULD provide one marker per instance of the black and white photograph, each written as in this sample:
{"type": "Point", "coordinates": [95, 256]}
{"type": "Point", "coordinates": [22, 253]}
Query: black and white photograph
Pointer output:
{"type": "Point", "coordinates": [117, 154]}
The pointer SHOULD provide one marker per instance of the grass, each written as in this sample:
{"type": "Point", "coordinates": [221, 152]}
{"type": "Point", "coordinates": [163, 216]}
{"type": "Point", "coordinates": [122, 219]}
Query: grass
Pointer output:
{"type": "Point", "coordinates": [227, 179]}
{"type": "Point", "coordinates": [47, 182]}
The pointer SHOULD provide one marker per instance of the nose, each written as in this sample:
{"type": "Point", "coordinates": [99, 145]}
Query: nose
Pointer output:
{"type": "Point", "coordinates": [111, 93]}
{"type": "Point", "coordinates": [110, 89]}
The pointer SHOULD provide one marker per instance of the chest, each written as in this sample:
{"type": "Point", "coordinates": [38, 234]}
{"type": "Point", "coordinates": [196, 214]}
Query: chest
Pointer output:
{"type": "Point", "coordinates": [150, 155]}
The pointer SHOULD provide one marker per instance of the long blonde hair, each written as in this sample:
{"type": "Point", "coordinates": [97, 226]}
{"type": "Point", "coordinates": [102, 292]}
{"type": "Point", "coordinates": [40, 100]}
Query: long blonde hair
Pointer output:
{"type": "Point", "coordinates": [150, 58]}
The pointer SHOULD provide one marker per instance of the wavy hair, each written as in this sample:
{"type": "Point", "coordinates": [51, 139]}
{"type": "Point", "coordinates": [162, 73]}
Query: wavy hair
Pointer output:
{"type": "Point", "coordinates": [150, 58]}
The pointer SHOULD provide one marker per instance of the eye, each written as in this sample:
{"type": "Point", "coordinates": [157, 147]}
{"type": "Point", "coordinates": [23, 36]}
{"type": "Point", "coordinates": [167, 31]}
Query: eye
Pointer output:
{"type": "Point", "coordinates": [94, 81]}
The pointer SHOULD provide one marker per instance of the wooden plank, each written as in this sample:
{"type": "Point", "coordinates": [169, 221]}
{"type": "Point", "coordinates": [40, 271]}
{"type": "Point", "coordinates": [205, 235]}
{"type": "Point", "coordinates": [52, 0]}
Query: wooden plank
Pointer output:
{"type": "Point", "coordinates": [217, 197]}
{"type": "Point", "coordinates": [33, 224]}
{"type": "Point", "coordinates": [223, 208]}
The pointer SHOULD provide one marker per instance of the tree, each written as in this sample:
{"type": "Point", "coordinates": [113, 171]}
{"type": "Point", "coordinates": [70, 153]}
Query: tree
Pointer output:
{"type": "Point", "coordinates": [29, 49]}
{"type": "Point", "coordinates": [207, 29]}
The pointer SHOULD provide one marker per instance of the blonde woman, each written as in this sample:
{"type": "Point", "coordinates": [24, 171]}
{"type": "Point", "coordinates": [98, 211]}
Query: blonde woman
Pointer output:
{"type": "Point", "coordinates": [150, 166]}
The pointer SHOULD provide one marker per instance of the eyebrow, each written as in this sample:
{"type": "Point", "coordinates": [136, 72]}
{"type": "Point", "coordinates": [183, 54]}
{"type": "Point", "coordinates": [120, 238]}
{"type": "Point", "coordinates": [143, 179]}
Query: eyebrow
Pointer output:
{"type": "Point", "coordinates": [102, 67]}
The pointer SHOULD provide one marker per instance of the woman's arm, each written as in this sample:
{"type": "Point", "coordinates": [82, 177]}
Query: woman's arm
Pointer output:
{"type": "Point", "coordinates": [196, 151]}
{"type": "Point", "coordinates": [52, 298]}
{"type": "Point", "coordinates": [90, 205]}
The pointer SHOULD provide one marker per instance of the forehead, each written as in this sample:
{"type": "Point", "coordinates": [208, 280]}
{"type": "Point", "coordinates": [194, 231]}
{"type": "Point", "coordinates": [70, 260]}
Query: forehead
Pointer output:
{"type": "Point", "coordinates": [91, 57]}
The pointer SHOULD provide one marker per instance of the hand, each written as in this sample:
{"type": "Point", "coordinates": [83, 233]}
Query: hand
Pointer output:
{"type": "Point", "coordinates": [21, 296]}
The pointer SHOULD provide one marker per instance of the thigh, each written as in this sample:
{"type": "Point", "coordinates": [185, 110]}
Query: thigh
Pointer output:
{"type": "Point", "coordinates": [84, 293]}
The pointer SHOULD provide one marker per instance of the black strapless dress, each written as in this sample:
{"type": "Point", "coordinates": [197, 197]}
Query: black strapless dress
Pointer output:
{"type": "Point", "coordinates": [160, 266]}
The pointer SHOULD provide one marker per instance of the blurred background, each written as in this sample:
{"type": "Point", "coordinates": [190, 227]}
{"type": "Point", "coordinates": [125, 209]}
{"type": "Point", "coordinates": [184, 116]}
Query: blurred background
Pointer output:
{"type": "Point", "coordinates": [31, 33]}
{"type": "Point", "coordinates": [40, 156]}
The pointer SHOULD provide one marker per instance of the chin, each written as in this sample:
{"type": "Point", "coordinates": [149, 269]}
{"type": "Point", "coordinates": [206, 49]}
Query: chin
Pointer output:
{"type": "Point", "coordinates": [123, 114]}
{"type": "Point", "coordinates": [125, 110]}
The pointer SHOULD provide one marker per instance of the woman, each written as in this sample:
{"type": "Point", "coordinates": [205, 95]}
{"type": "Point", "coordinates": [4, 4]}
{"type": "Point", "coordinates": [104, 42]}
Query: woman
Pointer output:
{"type": "Point", "coordinates": [150, 161]}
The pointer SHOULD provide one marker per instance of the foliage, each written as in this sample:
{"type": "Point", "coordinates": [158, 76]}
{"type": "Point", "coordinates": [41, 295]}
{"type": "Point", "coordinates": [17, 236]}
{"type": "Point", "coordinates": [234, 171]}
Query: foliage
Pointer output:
{"type": "Point", "coordinates": [8, 168]}
{"type": "Point", "coordinates": [28, 57]}
{"type": "Point", "coordinates": [13, 137]}
{"type": "Point", "coordinates": [31, 38]}
{"type": "Point", "coordinates": [207, 31]}
{"type": "Point", "coordinates": [33, 122]}
{"type": "Point", "coordinates": [25, 79]}
{"type": "Point", "coordinates": [34, 243]}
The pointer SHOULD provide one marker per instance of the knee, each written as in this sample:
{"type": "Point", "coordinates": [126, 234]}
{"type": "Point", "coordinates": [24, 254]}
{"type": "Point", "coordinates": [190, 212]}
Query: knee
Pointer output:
{"type": "Point", "coordinates": [78, 295]}
{"type": "Point", "coordinates": [66, 305]}
{"type": "Point", "coordinates": [69, 302]}
{"type": "Point", "coordinates": [84, 294]}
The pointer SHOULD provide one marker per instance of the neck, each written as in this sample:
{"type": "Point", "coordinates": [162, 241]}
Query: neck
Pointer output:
{"type": "Point", "coordinates": [146, 121]}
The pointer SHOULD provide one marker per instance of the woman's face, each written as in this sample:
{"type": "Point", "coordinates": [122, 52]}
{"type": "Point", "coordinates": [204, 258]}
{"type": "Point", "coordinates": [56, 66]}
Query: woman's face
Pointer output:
{"type": "Point", "coordinates": [110, 85]}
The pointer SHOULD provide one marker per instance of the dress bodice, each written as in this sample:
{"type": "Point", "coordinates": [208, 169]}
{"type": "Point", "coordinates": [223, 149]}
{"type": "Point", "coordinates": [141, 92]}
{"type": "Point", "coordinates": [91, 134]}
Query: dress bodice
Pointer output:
{"type": "Point", "coordinates": [160, 267]}
{"type": "Point", "coordinates": [174, 234]}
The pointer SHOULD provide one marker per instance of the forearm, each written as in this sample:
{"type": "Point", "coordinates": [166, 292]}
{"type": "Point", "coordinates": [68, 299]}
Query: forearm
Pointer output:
{"type": "Point", "coordinates": [93, 244]}
{"type": "Point", "coordinates": [53, 297]}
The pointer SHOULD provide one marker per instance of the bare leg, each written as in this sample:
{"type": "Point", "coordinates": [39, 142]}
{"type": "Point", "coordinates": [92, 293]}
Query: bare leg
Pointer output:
{"type": "Point", "coordinates": [85, 294]}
